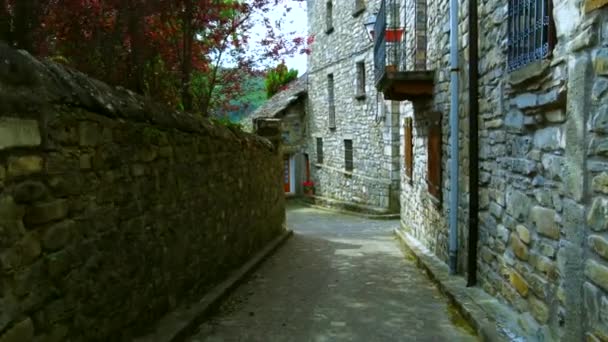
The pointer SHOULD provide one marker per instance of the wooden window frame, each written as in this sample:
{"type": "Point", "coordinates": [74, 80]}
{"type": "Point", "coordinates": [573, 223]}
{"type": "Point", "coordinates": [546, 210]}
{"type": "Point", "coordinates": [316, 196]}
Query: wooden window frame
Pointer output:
{"type": "Point", "coordinates": [360, 84]}
{"type": "Point", "coordinates": [349, 164]}
{"type": "Point", "coordinates": [329, 13]}
{"type": "Point", "coordinates": [320, 151]}
{"type": "Point", "coordinates": [408, 149]}
{"type": "Point", "coordinates": [434, 158]}
{"type": "Point", "coordinates": [331, 110]}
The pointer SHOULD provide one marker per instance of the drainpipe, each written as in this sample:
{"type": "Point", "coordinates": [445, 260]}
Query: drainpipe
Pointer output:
{"type": "Point", "coordinates": [453, 219]}
{"type": "Point", "coordinates": [473, 144]}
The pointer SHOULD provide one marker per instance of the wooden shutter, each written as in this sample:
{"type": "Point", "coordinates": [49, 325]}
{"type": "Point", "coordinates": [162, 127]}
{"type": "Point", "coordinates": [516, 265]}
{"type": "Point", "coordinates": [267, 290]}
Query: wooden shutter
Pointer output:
{"type": "Point", "coordinates": [408, 152]}
{"type": "Point", "coordinates": [360, 79]}
{"type": "Point", "coordinates": [434, 159]}
{"type": "Point", "coordinates": [329, 24]}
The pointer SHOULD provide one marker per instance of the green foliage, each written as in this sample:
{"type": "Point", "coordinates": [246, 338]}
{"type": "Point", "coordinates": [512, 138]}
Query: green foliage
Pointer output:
{"type": "Point", "coordinates": [279, 77]}
{"type": "Point", "coordinates": [225, 121]}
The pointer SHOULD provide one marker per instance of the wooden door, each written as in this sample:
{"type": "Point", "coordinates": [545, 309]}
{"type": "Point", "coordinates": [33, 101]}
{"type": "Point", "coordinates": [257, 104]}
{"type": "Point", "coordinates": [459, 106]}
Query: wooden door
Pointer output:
{"type": "Point", "coordinates": [286, 174]}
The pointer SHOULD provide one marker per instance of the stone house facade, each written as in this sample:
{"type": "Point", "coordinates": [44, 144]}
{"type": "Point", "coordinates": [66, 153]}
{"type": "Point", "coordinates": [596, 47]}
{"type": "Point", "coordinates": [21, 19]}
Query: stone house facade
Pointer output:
{"type": "Point", "coordinates": [289, 107]}
{"type": "Point", "coordinates": [532, 223]}
{"type": "Point", "coordinates": [353, 141]}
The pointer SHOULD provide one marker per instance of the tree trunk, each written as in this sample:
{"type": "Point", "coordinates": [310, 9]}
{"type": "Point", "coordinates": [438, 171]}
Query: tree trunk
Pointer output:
{"type": "Point", "coordinates": [5, 23]}
{"type": "Point", "coordinates": [25, 22]}
{"type": "Point", "coordinates": [188, 37]}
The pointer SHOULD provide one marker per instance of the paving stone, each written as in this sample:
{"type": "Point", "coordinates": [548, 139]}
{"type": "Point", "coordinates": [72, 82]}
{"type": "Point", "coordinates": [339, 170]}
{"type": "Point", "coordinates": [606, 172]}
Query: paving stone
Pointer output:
{"type": "Point", "coordinates": [335, 280]}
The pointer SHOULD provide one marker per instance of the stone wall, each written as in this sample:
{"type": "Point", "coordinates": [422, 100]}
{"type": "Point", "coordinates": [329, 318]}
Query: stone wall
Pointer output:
{"type": "Point", "coordinates": [543, 163]}
{"type": "Point", "coordinates": [370, 125]}
{"type": "Point", "coordinates": [113, 210]}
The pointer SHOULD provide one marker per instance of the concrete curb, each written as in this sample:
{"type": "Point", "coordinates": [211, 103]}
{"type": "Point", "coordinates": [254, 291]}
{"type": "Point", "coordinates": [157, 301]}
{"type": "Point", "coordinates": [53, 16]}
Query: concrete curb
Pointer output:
{"type": "Point", "coordinates": [491, 320]}
{"type": "Point", "coordinates": [180, 323]}
{"type": "Point", "coordinates": [349, 212]}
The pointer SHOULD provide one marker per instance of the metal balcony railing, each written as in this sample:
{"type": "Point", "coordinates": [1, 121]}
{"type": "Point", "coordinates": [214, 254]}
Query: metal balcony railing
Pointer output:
{"type": "Point", "coordinates": [389, 45]}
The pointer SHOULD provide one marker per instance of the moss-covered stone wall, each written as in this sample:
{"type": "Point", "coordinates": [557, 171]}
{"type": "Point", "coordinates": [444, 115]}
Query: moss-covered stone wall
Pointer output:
{"type": "Point", "coordinates": [113, 210]}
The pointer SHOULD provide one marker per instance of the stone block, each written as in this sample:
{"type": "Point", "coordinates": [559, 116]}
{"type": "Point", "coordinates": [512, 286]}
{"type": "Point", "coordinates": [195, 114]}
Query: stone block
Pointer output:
{"type": "Point", "coordinates": [598, 146]}
{"type": "Point", "coordinates": [523, 233]}
{"type": "Point", "coordinates": [599, 245]}
{"type": "Point", "coordinates": [553, 166]}
{"type": "Point", "coordinates": [599, 89]}
{"type": "Point", "coordinates": [600, 61]}
{"type": "Point", "coordinates": [538, 285]}
{"type": "Point", "coordinates": [519, 284]}
{"type": "Point", "coordinates": [514, 121]}
{"type": "Point", "coordinates": [526, 101]}
{"type": "Point", "coordinates": [89, 133]}
{"type": "Point", "coordinates": [600, 183]}
{"type": "Point", "coordinates": [18, 133]}
{"type": "Point", "coordinates": [549, 139]}
{"type": "Point", "coordinates": [25, 165]}
{"type": "Point", "coordinates": [539, 310]}
{"type": "Point", "coordinates": [546, 249]}
{"type": "Point", "coordinates": [502, 233]}
{"type": "Point", "coordinates": [604, 310]}
{"type": "Point", "coordinates": [40, 213]}
{"type": "Point", "coordinates": [85, 161]}
{"type": "Point", "coordinates": [597, 219]}
{"type": "Point", "coordinates": [592, 5]}
{"type": "Point", "coordinates": [57, 235]}
{"type": "Point", "coordinates": [21, 332]}
{"type": "Point", "coordinates": [519, 248]}
{"type": "Point", "coordinates": [597, 273]}
{"type": "Point", "coordinates": [9, 210]}
{"type": "Point", "coordinates": [545, 265]}
{"type": "Point", "coordinates": [599, 121]}
{"type": "Point", "coordinates": [30, 191]}
{"type": "Point", "coordinates": [591, 295]}
{"type": "Point", "coordinates": [555, 116]}
{"type": "Point", "coordinates": [544, 219]}
{"type": "Point", "coordinates": [518, 204]}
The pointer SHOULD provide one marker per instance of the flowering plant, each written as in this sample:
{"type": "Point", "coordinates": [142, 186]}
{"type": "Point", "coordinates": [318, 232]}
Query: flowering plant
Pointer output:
{"type": "Point", "coordinates": [308, 185]}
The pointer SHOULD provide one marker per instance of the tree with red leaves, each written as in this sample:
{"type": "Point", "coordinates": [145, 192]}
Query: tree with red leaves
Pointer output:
{"type": "Point", "coordinates": [172, 50]}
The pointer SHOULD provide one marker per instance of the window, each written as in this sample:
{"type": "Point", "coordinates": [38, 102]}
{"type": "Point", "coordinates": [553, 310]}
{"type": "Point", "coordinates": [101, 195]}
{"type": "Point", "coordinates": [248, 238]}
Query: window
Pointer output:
{"type": "Point", "coordinates": [434, 159]}
{"type": "Point", "coordinates": [320, 150]}
{"type": "Point", "coordinates": [348, 155]}
{"type": "Point", "coordinates": [408, 149]}
{"type": "Point", "coordinates": [360, 93]}
{"type": "Point", "coordinates": [359, 7]}
{"type": "Point", "coordinates": [330, 100]}
{"type": "Point", "coordinates": [531, 33]}
{"type": "Point", "coordinates": [329, 24]}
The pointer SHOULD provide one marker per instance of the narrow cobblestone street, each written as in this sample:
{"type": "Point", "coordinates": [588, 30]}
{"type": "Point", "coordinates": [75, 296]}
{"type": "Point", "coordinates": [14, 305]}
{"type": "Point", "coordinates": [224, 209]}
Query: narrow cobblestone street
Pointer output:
{"type": "Point", "coordinates": [339, 278]}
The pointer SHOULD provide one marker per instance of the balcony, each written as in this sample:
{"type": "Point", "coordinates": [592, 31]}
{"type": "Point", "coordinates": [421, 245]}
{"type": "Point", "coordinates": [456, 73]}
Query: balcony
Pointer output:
{"type": "Point", "coordinates": [392, 75]}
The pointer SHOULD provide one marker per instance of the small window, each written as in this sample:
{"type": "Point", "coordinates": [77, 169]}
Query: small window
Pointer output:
{"type": "Point", "coordinates": [408, 149]}
{"type": "Point", "coordinates": [531, 35]}
{"type": "Point", "coordinates": [359, 7]}
{"type": "Point", "coordinates": [434, 159]}
{"type": "Point", "coordinates": [319, 150]}
{"type": "Point", "coordinates": [348, 155]}
{"type": "Point", "coordinates": [330, 100]}
{"type": "Point", "coordinates": [329, 24]}
{"type": "Point", "coordinates": [360, 93]}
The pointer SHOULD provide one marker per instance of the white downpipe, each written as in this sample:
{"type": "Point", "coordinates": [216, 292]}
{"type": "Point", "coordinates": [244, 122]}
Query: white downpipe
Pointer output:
{"type": "Point", "coordinates": [454, 157]}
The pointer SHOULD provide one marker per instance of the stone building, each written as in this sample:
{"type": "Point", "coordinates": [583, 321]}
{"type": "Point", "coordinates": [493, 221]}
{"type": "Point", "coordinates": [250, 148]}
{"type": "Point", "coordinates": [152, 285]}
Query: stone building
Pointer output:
{"type": "Point", "coordinates": [289, 106]}
{"type": "Point", "coordinates": [528, 139]}
{"type": "Point", "coordinates": [353, 141]}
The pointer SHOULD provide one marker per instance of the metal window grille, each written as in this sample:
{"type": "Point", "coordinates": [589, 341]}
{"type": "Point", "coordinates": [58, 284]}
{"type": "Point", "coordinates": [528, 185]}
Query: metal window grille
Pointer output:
{"type": "Point", "coordinates": [360, 78]}
{"type": "Point", "coordinates": [530, 32]}
{"type": "Point", "coordinates": [348, 155]}
{"type": "Point", "coordinates": [329, 24]}
{"type": "Point", "coordinates": [330, 100]}
{"type": "Point", "coordinates": [320, 150]}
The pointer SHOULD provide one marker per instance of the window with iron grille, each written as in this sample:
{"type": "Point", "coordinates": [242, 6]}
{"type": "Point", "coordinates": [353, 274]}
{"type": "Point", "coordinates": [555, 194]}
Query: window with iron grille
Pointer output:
{"type": "Point", "coordinates": [329, 23]}
{"type": "Point", "coordinates": [360, 80]}
{"type": "Point", "coordinates": [348, 155]}
{"type": "Point", "coordinates": [330, 100]}
{"type": "Point", "coordinates": [531, 32]}
{"type": "Point", "coordinates": [408, 149]}
{"type": "Point", "coordinates": [319, 150]}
